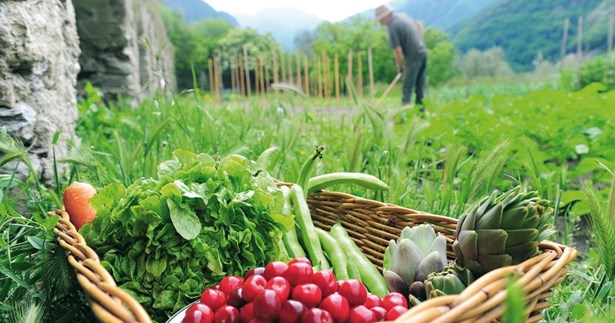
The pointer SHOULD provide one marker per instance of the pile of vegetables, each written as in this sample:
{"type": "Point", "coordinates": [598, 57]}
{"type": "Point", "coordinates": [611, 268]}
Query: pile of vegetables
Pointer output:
{"type": "Point", "coordinates": [165, 239]}
{"type": "Point", "coordinates": [204, 220]}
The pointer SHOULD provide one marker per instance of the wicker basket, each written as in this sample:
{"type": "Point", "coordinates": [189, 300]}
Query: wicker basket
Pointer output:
{"type": "Point", "coordinates": [371, 224]}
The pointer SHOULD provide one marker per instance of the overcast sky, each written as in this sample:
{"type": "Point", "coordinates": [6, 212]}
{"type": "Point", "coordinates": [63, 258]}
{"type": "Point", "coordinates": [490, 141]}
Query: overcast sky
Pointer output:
{"type": "Point", "coordinates": [332, 10]}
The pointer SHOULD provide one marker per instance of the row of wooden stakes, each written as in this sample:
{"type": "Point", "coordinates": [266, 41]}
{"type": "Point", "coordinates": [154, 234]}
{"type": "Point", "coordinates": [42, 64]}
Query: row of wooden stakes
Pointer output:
{"type": "Point", "coordinates": [313, 77]}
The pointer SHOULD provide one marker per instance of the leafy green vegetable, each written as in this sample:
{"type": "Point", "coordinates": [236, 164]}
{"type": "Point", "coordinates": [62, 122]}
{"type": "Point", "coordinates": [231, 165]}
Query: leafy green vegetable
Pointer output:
{"type": "Point", "coordinates": [165, 240]}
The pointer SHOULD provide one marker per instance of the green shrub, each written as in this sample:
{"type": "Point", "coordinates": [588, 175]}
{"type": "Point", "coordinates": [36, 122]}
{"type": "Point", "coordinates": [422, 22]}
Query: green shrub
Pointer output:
{"type": "Point", "coordinates": [595, 70]}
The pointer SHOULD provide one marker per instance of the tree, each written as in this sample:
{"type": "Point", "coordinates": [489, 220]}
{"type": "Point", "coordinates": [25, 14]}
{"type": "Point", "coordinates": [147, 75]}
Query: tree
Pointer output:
{"type": "Point", "coordinates": [357, 34]}
{"type": "Point", "coordinates": [194, 44]}
{"type": "Point", "coordinates": [441, 55]}
{"type": "Point", "coordinates": [304, 40]}
{"type": "Point", "coordinates": [258, 47]}
{"type": "Point", "coordinates": [491, 63]}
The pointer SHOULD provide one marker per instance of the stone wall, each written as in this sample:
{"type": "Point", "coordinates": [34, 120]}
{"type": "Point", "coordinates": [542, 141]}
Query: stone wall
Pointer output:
{"type": "Point", "coordinates": [124, 52]}
{"type": "Point", "coordinates": [39, 52]}
{"type": "Point", "coordinates": [125, 49]}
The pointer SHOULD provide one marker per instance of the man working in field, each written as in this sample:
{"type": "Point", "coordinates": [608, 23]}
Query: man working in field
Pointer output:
{"type": "Point", "coordinates": [406, 38]}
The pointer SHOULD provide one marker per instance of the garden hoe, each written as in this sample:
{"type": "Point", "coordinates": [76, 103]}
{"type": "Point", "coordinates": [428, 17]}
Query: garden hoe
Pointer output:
{"type": "Point", "coordinates": [389, 88]}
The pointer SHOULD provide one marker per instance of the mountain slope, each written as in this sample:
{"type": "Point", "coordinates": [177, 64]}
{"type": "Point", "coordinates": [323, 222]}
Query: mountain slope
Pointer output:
{"type": "Point", "coordinates": [525, 27]}
{"type": "Point", "coordinates": [282, 23]}
{"type": "Point", "coordinates": [443, 14]}
{"type": "Point", "coordinates": [194, 10]}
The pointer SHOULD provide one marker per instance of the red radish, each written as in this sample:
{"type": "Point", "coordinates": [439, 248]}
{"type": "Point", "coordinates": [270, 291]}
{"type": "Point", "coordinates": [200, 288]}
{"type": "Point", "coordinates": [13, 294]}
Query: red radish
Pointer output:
{"type": "Point", "coordinates": [76, 200]}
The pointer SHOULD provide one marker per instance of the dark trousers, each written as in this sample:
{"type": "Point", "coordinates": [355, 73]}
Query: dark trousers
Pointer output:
{"type": "Point", "coordinates": [414, 79]}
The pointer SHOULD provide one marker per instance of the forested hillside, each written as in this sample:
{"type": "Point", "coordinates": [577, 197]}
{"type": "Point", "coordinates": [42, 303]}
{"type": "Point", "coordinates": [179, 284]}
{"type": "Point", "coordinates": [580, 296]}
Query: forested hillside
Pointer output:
{"type": "Point", "coordinates": [523, 28]}
{"type": "Point", "coordinates": [445, 14]}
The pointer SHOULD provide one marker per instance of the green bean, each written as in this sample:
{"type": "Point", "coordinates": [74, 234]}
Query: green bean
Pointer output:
{"type": "Point", "coordinates": [370, 276]}
{"type": "Point", "coordinates": [303, 219]}
{"type": "Point", "coordinates": [336, 254]}
{"type": "Point", "coordinates": [368, 181]}
{"type": "Point", "coordinates": [306, 169]}
{"type": "Point", "coordinates": [290, 239]}
{"type": "Point", "coordinates": [353, 271]}
{"type": "Point", "coordinates": [265, 158]}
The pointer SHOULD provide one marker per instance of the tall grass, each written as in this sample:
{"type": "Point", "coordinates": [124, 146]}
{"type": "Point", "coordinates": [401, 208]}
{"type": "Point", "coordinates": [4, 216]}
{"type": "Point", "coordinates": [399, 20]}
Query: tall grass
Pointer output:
{"type": "Point", "coordinates": [440, 162]}
{"type": "Point", "coordinates": [603, 227]}
{"type": "Point", "coordinates": [36, 282]}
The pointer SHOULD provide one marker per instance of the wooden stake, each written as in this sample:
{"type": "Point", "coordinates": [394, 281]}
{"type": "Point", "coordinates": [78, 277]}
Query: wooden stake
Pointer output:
{"type": "Point", "coordinates": [275, 70]}
{"type": "Point", "coordinates": [306, 76]}
{"type": "Point", "coordinates": [325, 74]}
{"type": "Point", "coordinates": [319, 70]}
{"type": "Point", "coordinates": [283, 67]}
{"type": "Point", "coordinates": [211, 77]}
{"type": "Point", "coordinates": [237, 77]}
{"type": "Point", "coordinates": [266, 72]}
{"type": "Point", "coordinates": [233, 75]}
{"type": "Point", "coordinates": [349, 75]}
{"type": "Point", "coordinates": [337, 78]}
{"type": "Point", "coordinates": [236, 70]}
{"type": "Point", "coordinates": [257, 77]}
{"type": "Point", "coordinates": [562, 53]}
{"type": "Point", "coordinates": [290, 69]}
{"type": "Point", "coordinates": [360, 74]}
{"type": "Point", "coordinates": [262, 72]}
{"type": "Point", "coordinates": [246, 67]}
{"type": "Point", "coordinates": [242, 80]}
{"type": "Point", "coordinates": [220, 83]}
{"type": "Point", "coordinates": [298, 61]}
{"type": "Point", "coordinates": [372, 89]}
{"type": "Point", "coordinates": [328, 81]}
{"type": "Point", "coordinates": [216, 94]}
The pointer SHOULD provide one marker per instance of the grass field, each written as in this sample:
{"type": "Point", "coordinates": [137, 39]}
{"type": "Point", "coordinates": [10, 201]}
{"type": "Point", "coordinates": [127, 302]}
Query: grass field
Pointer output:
{"type": "Point", "coordinates": [469, 142]}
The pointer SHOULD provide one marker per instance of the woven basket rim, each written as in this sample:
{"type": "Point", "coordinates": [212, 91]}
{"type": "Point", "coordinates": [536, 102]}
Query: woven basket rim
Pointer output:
{"type": "Point", "coordinates": [537, 275]}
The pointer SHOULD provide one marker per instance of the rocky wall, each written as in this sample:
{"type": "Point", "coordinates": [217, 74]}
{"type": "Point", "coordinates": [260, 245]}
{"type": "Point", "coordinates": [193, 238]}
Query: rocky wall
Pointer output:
{"type": "Point", "coordinates": [39, 52]}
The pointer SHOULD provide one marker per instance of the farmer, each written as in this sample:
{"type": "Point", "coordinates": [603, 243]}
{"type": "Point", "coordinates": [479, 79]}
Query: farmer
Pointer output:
{"type": "Point", "coordinates": [406, 38]}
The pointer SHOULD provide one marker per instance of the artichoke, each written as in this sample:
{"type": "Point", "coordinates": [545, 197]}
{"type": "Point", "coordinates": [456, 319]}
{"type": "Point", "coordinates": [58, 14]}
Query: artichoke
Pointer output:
{"type": "Point", "coordinates": [502, 230]}
{"type": "Point", "coordinates": [417, 253]}
{"type": "Point", "coordinates": [452, 280]}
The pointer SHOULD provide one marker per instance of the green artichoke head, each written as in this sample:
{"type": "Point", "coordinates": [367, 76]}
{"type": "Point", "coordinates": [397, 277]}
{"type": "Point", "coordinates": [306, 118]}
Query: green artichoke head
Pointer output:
{"type": "Point", "coordinates": [417, 253]}
{"type": "Point", "coordinates": [502, 230]}
{"type": "Point", "coordinates": [452, 280]}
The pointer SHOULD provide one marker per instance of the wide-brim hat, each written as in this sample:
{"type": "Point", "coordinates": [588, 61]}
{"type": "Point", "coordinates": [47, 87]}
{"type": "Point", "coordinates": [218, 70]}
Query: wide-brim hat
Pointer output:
{"type": "Point", "coordinates": [383, 11]}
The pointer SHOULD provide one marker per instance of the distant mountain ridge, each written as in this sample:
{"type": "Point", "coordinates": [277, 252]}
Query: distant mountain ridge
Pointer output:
{"type": "Point", "coordinates": [445, 14]}
{"type": "Point", "coordinates": [524, 28]}
{"type": "Point", "coordinates": [194, 10]}
{"type": "Point", "coordinates": [282, 23]}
